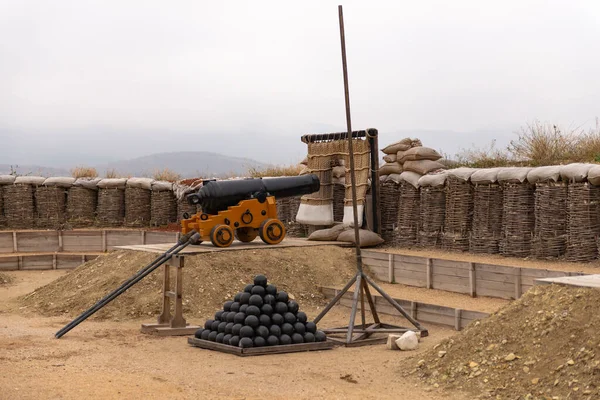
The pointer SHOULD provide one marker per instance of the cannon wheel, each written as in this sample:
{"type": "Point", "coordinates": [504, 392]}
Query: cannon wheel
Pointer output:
{"type": "Point", "coordinates": [272, 231]}
{"type": "Point", "coordinates": [246, 234]}
{"type": "Point", "coordinates": [221, 236]}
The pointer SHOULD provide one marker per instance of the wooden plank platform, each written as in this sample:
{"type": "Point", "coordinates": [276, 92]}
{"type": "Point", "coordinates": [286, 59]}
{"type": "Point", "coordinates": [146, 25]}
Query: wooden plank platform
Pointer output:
{"type": "Point", "coordinates": [258, 351]}
{"type": "Point", "coordinates": [589, 281]}
{"type": "Point", "coordinates": [166, 330]}
{"type": "Point", "coordinates": [207, 247]}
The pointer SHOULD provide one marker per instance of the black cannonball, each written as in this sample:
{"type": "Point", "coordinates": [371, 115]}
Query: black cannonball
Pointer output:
{"type": "Point", "coordinates": [198, 333]}
{"type": "Point", "coordinates": [246, 342]}
{"type": "Point", "coordinates": [243, 308]}
{"type": "Point", "coordinates": [218, 315]}
{"type": "Point", "coordinates": [297, 338]}
{"type": "Point", "coordinates": [221, 327]}
{"type": "Point", "coordinates": [244, 298]}
{"type": "Point", "coordinates": [300, 328]}
{"type": "Point", "coordinates": [281, 307]}
{"type": "Point", "coordinates": [309, 337]}
{"type": "Point", "coordinates": [208, 323]}
{"type": "Point", "coordinates": [235, 307]}
{"type": "Point", "coordinates": [283, 297]}
{"type": "Point", "coordinates": [215, 325]}
{"type": "Point", "coordinates": [235, 329]}
{"type": "Point", "coordinates": [285, 339]}
{"type": "Point", "coordinates": [253, 310]}
{"type": "Point", "coordinates": [226, 338]}
{"type": "Point", "coordinates": [259, 341]}
{"type": "Point", "coordinates": [311, 327]}
{"type": "Point", "coordinates": [272, 341]}
{"type": "Point", "coordinates": [229, 327]}
{"type": "Point", "coordinates": [205, 334]}
{"type": "Point", "coordinates": [256, 300]}
{"type": "Point", "coordinates": [287, 329]}
{"type": "Point", "coordinates": [252, 321]}
{"type": "Point", "coordinates": [274, 330]}
{"type": "Point", "coordinates": [248, 288]}
{"type": "Point", "coordinates": [234, 341]}
{"type": "Point", "coordinates": [227, 305]}
{"type": "Point", "coordinates": [293, 307]}
{"type": "Point", "coordinates": [236, 298]}
{"type": "Point", "coordinates": [320, 336]}
{"type": "Point", "coordinates": [271, 289]}
{"type": "Point", "coordinates": [289, 318]}
{"type": "Point", "coordinates": [230, 317]}
{"type": "Point", "coordinates": [212, 336]}
{"type": "Point", "coordinates": [258, 290]}
{"type": "Point", "coordinates": [239, 318]}
{"type": "Point", "coordinates": [262, 331]}
{"type": "Point", "coordinates": [246, 332]}
{"type": "Point", "coordinates": [265, 320]}
{"type": "Point", "coordinates": [277, 319]}
{"type": "Point", "coordinates": [223, 317]}
{"type": "Point", "coordinates": [301, 317]}
{"type": "Point", "coordinates": [266, 309]}
{"type": "Point", "coordinates": [260, 280]}
{"type": "Point", "coordinates": [269, 299]}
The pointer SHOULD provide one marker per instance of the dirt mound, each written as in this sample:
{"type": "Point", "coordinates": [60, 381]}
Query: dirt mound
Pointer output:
{"type": "Point", "coordinates": [4, 279]}
{"type": "Point", "coordinates": [541, 346]}
{"type": "Point", "coordinates": [209, 280]}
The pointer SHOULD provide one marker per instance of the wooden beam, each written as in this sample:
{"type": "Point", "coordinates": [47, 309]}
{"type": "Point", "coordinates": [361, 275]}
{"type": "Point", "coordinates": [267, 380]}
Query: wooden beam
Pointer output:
{"type": "Point", "coordinates": [517, 283]}
{"type": "Point", "coordinates": [472, 280]}
{"type": "Point", "coordinates": [391, 267]}
{"type": "Point", "coordinates": [429, 274]}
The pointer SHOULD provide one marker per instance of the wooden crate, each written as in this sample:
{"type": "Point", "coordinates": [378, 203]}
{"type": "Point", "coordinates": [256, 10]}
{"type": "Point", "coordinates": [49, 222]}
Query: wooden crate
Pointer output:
{"type": "Point", "coordinates": [259, 351]}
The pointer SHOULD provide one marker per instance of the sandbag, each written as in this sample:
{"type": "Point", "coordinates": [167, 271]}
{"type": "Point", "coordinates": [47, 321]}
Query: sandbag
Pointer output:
{"type": "Point", "coordinates": [161, 186]}
{"type": "Point", "coordinates": [393, 148]}
{"type": "Point", "coordinates": [551, 173]}
{"type": "Point", "coordinates": [485, 176]}
{"type": "Point", "coordinates": [30, 180]}
{"type": "Point", "coordinates": [513, 174]}
{"type": "Point", "coordinates": [60, 181]}
{"type": "Point", "coordinates": [410, 177]}
{"type": "Point", "coordinates": [394, 178]}
{"type": "Point", "coordinates": [575, 172]}
{"type": "Point", "coordinates": [367, 238]}
{"type": "Point", "coordinates": [390, 168]}
{"type": "Point", "coordinates": [141, 183]}
{"type": "Point", "coordinates": [112, 183]}
{"type": "Point", "coordinates": [433, 180]}
{"type": "Point", "coordinates": [88, 183]}
{"type": "Point", "coordinates": [390, 158]}
{"type": "Point", "coordinates": [7, 179]}
{"type": "Point", "coordinates": [462, 173]}
{"type": "Point", "coordinates": [304, 171]}
{"type": "Point", "coordinates": [420, 153]}
{"type": "Point", "coordinates": [594, 175]}
{"type": "Point", "coordinates": [422, 166]}
{"type": "Point", "coordinates": [383, 178]}
{"type": "Point", "coordinates": [305, 161]}
{"type": "Point", "coordinates": [338, 171]}
{"type": "Point", "coordinates": [400, 155]}
{"type": "Point", "coordinates": [330, 234]}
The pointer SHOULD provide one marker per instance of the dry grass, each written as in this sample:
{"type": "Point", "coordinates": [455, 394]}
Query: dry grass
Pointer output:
{"type": "Point", "coordinates": [166, 175]}
{"type": "Point", "coordinates": [84, 172]}
{"type": "Point", "coordinates": [484, 157]}
{"type": "Point", "coordinates": [285, 170]}
{"type": "Point", "coordinates": [112, 173]}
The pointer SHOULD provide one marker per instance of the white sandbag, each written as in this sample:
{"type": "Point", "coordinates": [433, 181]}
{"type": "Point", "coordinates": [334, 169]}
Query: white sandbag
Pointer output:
{"type": "Point", "coordinates": [330, 234]}
{"type": "Point", "coordinates": [383, 178]}
{"type": "Point", "coordinates": [551, 173]}
{"type": "Point", "coordinates": [594, 175]}
{"type": "Point", "coordinates": [419, 153]}
{"type": "Point", "coordinates": [513, 174]}
{"type": "Point", "coordinates": [367, 238]}
{"type": "Point", "coordinates": [400, 155]}
{"type": "Point", "coordinates": [161, 186]}
{"type": "Point", "coordinates": [305, 161]}
{"type": "Point", "coordinates": [349, 215]}
{"type": "Point", "coordinates": [7, 179]}
{"type": "Point", "coordinates": [338, 171]}
{"type": "Point", "coordinates": [341, 181]}
{"type": "Point", "coordinates": [341, 162]}
{"type": "Point", "coordinates": [394, 178]}
{"type": "Point", "coordinates": [393, 148]}
{"type": "Point", "coordinates": [410, 177]}
{"type": "Point", "coordinates": [485, 176]}
{"type": "Point", "coordinates": [390, 158]}
{"type": "Point", "coordinates": [462, 173]}
{"type": "Point", "coordinates": [575, 172]}
{"type": "Point", "coordinates": [312, 214]}
{"type": "Point", "coordinates": [29, 180]}
{"type": "Point", "coordinates": [433, 180]}
{"type": "Point", "coordinates": [60, 181]}
{"type": "Point", "coordinates": [391, 342]}
{"type": "Point", "coordinates": [142, 183]}
{"type": "Point", "coordinates": [88, 183]}
{"type": "Point", "coordinates": [422, 167]}
{"type": "Point", "coordinates": [408, 341]}
{"type": "Point", "coordinates": [112, 183]}
{"type": "Point", "coordinates": [390, 168]}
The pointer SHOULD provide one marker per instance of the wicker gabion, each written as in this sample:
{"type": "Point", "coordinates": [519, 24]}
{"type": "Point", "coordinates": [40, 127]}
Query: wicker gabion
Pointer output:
{"type": "Point", "coordinates": [19, 206]}
{"type": "Point", "coordinates": [111, 207]}
{"type": "Point", "coordinates": [486, 229]}
{"type": "Point", "coordinates": [550, 234]}
{"type": "Point", "coordinates": [81, 206]}
{"type": "Point", "coordinates": [137, 206]}
{"type": "Point", "coordinates": [583, 225]}
{"type": "Point", "coordinates": [184, 207]}
{"type": "Point", "coordinates": [459, 214]}
{"type": "Point", "coordinates": [163, 208]}
{"type": "Point", "coordinates": [50, 206]}
{"type": "Point", "coordinates": [2, 216]}
{"type": "Point", "coordinates": [339, 192]}
{"type": "Point", "coordinates": [433, 211]}
{"type": "Point", "coordinates": [287, 209]}
{"type": "Point", "coordinates": [408, 215]}
{"type": "Point", "coordinates": [389, 197]}
{"type": "Point", "coordinates": [518, 220]}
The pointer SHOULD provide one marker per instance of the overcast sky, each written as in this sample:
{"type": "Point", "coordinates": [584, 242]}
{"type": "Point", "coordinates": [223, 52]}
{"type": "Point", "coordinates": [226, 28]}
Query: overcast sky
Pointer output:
{"type": "Point", "coordinates": [93, 81]}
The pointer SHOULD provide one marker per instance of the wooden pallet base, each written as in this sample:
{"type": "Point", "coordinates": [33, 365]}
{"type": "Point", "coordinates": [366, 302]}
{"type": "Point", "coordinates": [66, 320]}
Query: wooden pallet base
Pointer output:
{"type": "Point", "coordinates": [362, 335]}
{"type": "Point", "coordinates": [258, 351]}
{"type": "Point", "coordinates": [166, 330]}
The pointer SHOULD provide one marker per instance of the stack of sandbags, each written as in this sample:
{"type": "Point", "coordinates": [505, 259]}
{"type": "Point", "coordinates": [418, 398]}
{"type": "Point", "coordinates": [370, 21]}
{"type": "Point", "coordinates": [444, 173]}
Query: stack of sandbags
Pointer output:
{"type": "Point", "coordinates": [82, 200]}
{"type": "Point", "coordinates": [111, 202]}
{"type": "Point", "coordinates": [408, 209]}
{"type": "Point", "coordinates": [550, 234]}
{"type": "Point", "coordinates": [138, 198]}
{"type": "Point", "coordinates": [4, 180]}
{"type": "Point", "coordinates": [486, 229]}
{"type": "Point", "coordinates": [459, 210]}
{"type": "Point", "coordinates": [50, 202]}
{"type": "Point", "coordinates": [391, 165]}
{"type": "Point", "coordinates": [518, 220]}
{"type": "Point", "coordinates": [433, 209]}
{"type": "Point", "coordinates": [163, 204]}
{"type": "Point", "coordinates": [19, 203]}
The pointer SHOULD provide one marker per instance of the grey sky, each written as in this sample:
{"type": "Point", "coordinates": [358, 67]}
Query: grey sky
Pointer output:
{"type": "Point", "coordinates": [93, 81]}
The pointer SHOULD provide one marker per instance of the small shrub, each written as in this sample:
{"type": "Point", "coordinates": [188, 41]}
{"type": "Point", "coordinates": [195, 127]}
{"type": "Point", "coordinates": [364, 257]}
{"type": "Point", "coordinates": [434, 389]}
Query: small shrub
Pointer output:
{"type": "Point", "coordinates": [84, 172]}
{"type": "Point", "coordinates": [482, 158]}
{"type": "Point", "coordinates": [166, 175]}
{"type": "Point", "coordinates": [112, 173]}
{"type": "Point", "coordinates": [545, 144]}
{"type": "Point", "coordinates": [286, 170]}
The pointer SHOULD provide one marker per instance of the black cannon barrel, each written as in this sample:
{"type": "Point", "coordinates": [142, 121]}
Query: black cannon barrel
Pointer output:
{"type": "Point", "coordinates": [216, 196]}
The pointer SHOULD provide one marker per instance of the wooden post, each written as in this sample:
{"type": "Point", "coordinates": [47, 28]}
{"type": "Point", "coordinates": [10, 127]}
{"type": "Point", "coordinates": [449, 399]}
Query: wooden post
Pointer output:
{"type": "Point", "coordinates": [15, 243]}
{"type": "Point", "coordinates": [53, 261]}
{"type": "Point", "coordinates": [104, 241]}
{"type": "Point", "coordinates": [178, 321]}
{"type": "Point", "coordinates": [429, 273]}
{"type": "Point", "coordinates": [143, 235]}
{"type": "Point", "coordinates": [165, 315]}
{"type": "Point", "coordinates": [413, 309]}
{"type": "Point", "coordinates": [60, 241]}
{"type": "Point", "coordinates": [517, 283]}
{"type": "Point", "coordinates": [391, 272]}
{"type": "Point", "coordinates": [457, 317]}
{"type": "Point", "coordinates": [20, 262]}
{"type": "Point", "coordinates": [472, 280]}
{"type": "Point", "coordinates": [83, 258]}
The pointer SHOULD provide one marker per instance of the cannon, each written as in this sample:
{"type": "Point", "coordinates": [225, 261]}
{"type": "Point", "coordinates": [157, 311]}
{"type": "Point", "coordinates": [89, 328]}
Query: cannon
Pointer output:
{"type": "Point", "coordinates": [243, 209]}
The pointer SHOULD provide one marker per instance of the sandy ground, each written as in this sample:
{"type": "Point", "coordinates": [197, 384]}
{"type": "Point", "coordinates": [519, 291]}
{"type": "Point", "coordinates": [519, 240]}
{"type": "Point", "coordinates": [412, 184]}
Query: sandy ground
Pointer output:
{"type": "Point", "coordinates": [106, 360]}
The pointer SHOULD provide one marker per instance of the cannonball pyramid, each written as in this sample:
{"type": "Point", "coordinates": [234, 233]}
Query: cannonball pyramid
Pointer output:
{"type": "Point", "coordinates": [260, 316]}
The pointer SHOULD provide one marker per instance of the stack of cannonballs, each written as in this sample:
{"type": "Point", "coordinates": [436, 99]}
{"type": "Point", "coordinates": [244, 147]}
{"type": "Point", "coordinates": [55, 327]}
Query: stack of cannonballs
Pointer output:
{"type": "Point", "coordinates": [260, 316]}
